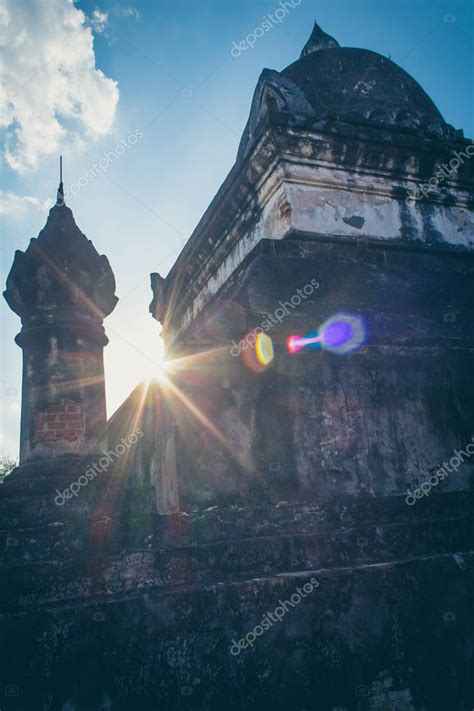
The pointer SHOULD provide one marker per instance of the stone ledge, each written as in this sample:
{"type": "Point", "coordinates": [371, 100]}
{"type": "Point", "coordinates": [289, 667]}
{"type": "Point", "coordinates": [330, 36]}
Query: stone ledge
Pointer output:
{"type": "Point", "coordinates": [363, 627]}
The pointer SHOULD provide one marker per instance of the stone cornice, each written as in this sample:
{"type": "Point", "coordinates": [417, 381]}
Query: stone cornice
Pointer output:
{"type": "Point", "coordinates": [380, 160]}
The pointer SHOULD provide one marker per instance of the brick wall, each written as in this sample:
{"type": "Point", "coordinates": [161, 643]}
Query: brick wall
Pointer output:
{"type": "Point", "coordinates": [63, 420]}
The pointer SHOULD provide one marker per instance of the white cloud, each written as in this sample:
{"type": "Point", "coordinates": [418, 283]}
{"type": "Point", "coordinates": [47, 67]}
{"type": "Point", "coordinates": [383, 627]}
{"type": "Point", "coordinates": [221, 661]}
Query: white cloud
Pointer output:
{"type": "Point", "coordinates": [99, 20]}
{"type": "Point", "coordinates": [53, 95]}
{"type": "Point", "coordinates": [16, 206]}
{"type": "Point", "coordinates": [129, 12]}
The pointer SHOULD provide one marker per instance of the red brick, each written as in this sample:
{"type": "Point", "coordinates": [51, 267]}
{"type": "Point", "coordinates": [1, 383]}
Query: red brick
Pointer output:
{"type": "Point", "coordinates": [71, 436]}
{"type": "Point", "coordinates": [49, 418]}
{"type": "Point", "coordinates": [62, 420]}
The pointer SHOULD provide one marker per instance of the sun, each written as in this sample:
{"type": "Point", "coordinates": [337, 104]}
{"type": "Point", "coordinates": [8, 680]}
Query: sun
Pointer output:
{"type": "Point", "coordinates": [131, 358]}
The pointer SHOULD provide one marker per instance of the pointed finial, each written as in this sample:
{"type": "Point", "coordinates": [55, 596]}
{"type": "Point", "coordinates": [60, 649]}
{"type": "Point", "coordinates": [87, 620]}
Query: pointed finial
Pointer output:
{"type": "Point", "coordinates": [60, 197]}
{"type": "Point", "coordinates": [318, 40]}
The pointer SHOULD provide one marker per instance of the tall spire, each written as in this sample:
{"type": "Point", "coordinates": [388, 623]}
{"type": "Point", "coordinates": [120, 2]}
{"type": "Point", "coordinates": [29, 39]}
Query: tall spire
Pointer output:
{"type": "Point", "coordinates": [60, 196]}
{"type": "Point", "coordinates": [318, 40]}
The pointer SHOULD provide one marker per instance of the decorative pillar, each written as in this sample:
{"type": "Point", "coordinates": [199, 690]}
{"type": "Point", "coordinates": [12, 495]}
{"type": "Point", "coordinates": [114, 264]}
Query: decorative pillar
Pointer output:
{"type": "Point", "coordinates": [62, 289]}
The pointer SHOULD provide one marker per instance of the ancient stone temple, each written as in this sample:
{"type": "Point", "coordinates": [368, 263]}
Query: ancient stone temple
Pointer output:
{"type": "Point", "coordinates": [323, 213]}
{"type": "Point", "coordinates": [288, 523]}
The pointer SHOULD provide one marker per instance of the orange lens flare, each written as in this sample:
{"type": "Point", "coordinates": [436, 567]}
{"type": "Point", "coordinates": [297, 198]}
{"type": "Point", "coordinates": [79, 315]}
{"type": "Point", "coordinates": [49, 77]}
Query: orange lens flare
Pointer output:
{"type": "Point", "coordinates": [264, 349]}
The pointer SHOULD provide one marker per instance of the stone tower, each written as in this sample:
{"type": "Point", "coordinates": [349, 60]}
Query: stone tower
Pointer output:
{"type": "Point", "coordinates": [62, 289]}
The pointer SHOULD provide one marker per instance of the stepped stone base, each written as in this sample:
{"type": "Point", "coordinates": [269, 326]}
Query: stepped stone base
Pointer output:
{"type": "Point", "coordinates": [105, 604]}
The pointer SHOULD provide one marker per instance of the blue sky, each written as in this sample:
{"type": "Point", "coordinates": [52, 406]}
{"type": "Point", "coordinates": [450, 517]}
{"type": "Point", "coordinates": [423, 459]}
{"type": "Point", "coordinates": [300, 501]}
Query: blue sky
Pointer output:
{"type": "Point", "coordinates": [178, 85]}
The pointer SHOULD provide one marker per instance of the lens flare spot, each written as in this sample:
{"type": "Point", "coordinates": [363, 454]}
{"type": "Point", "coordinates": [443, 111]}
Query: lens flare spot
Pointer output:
{"type": "Point", "coordinates": [337, 334]}
{"type": "Point", "coordinates": [264, 349]}
{"type": "Point", "coordinates": [312, 340]}
{"type": "Point", "coordinates": [294, 343]}
{"type": "Point", "coordinates": [343, 333]}
{"type": "Point", "coordinates": [256, 350]}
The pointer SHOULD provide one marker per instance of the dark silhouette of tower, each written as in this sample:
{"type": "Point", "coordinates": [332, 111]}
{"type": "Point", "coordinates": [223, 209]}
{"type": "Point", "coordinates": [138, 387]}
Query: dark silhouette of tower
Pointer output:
{"type": "Point", "coordinates": [62, 289]}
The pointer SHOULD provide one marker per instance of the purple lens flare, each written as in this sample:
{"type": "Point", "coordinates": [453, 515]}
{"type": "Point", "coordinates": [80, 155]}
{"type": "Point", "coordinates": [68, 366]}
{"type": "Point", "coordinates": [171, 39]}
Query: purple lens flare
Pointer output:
{"type": "Point", "coordinates": [342, 333]}
{"type": "Point", "coordinates": [336, 334]}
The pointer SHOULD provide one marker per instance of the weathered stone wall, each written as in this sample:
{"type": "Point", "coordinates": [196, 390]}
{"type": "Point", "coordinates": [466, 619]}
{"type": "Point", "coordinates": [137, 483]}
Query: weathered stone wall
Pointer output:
{"type": "Point", "coordinates": [379, 420]}
{"type": "Point", "coordinates": [105, 605]}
